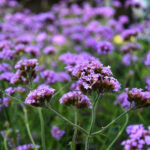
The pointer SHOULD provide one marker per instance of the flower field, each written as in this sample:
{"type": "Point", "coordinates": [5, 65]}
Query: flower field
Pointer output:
{"type": "Point", "coordinates": [75, 76]}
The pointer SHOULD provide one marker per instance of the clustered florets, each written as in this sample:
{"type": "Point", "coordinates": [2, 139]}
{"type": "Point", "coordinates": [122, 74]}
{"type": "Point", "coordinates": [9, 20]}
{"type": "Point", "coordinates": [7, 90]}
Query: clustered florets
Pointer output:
{"type": "Point", "coordinates": [4, 67]}
{"type": "Point", "coordinates": [12, 90]}
{"type": "Point", "coordinates": [26, 70]}
{"type": "Point", "coordinates": [57, 133]}
{"type": "Point", "coordinates": [39, 96]}
{"type": "Point", "coordinates": [127, 34]}
{"type": "Point", "coordinates": [6, 76]}
{"type": "Point", "coordinates": [27, 147]}
{"type": "Point", "coordinates": [147, 59]}
{"type": "Point", "coordinates": [123, 100]}
{"type": "Point", "coordinates": [51, 77]}
{"type": "Point", "coordinates": [49, 50]}
{"type": "Point", "coordinates": [148, 84]}
{"type": "Point", "coordinates": [130, 47]}
{"type": "Point", "coordinates": [139, 138]}
{"type": "Point", "coordinates": [77, 99]}
{"type": "Point", "coordinates": [92, 75]}
{"type": "Point", "coordinates": [104, 47]}
{"type": "Point", "coordinates": [139, 97]}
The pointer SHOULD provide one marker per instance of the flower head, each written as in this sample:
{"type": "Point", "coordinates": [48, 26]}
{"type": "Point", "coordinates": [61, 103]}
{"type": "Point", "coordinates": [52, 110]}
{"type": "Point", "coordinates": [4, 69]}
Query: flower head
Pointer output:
{"type": "Point", "coordinates": [123, 100]}
{"type": "Point", "coordinates": [147, 59]}
{"type": "Point", "coordinates": [39, 96]}
{"type": "Point", "coordinates": [104, 47]}
{"type": "Point", "coordinates": [27, 147]}
{"type": "Point", "coordinates": [139, 97]}
{"type": "Point", "coordinates": [57, 133]}
{"type": "Point", "coordinates": [139, 137]}
{"type": "Point", "coordinates": [77, 99]}
{"type": "Point", "coordinates": [128, 33]}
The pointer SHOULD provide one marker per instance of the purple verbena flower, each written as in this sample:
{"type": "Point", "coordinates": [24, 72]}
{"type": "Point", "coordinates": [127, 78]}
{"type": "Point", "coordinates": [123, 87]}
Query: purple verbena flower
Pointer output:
{"type": "Point", "coordinates": [123, 100]}
{"type": "Point", "coordinates": [128, 33]}
{"type": "Point", "coordinates": [57, 133]}
{"type": "Point", "coordinates": [39, 96]}
{"type": "Point", "coordinates": [77, 99]}
{"type": "Point", "coordinates": [139, 137]}
{"type": "Point", "coordinates": [104, 47]}
{"type": "Point", "coordinates": [128, 58]}
{"type": "Point", "coordinates": [147, 59]}
{"type": "Point", "coordinates": [139, 97]}
{"type": "Point", "coordinates": [27, 147]}
{"type": "Point", "coordinates": [50, 50]}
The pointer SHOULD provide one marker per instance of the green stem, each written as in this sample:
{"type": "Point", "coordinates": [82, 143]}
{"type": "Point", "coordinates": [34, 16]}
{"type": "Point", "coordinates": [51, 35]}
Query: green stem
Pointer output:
{"type": "Point", "coordinates": [49, 107]}
{"type": "Point", "coordinates": [65, 119]}
{"type": "Point", "coordinates": [42, 129]}
{"type": "Point", "coordinates": [28, 128]}
{"type": "Point", "coordinates": [142, 119]}
{"type": "Point", "coordinates": [120, 132]}
{"type": "Point", "coordinates": [60, 90]}
{"type": "Point", "coordinates": [75, 130]}
{"type": "Point", "coordinates": [112, 122]}
{"type": "Point", "coordinates": [92, 123]}
{"type": "Point", "coordinates": [5, 143]}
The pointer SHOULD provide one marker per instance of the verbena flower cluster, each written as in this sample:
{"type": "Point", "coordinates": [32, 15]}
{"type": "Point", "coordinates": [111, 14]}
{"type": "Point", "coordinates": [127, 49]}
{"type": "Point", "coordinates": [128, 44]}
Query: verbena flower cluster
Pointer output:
{"type": "Point", "coordinates": [57, 133]}
{"type": "Point", "coordinates": [139, 138]}
{"type": "Point", "coordinates": [27, 147]}
{"type": "Point", "coordinates": [77, 99]}
{"type": "Point", "coordinates": [26, 71]}
{"type": "Point", "coordinates": [123, 100]}
{"type": "Point", "coordinates": [92, 75]}
{"type": "Point", "coordinates": [51, 77]}
{"type": "Point", "coordinates": [139, 97]}
{"type": "Point", "coordinates": [39, 96]}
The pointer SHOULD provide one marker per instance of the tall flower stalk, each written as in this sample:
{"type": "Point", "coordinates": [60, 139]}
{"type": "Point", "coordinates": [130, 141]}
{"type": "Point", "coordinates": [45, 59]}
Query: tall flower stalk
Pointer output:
{"type": "Point", "coordinates": [42, 128]}
{"type": "Point", "coordinates": [73, 146]}
{"type": "Point", "coordinates": [92, 122]}
{"type": "Point", "coordinates": [28, 127]}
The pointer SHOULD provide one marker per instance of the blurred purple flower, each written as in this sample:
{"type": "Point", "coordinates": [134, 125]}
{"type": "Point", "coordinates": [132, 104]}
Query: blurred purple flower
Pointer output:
{"type": "Point", "coordinates": [57, 133]}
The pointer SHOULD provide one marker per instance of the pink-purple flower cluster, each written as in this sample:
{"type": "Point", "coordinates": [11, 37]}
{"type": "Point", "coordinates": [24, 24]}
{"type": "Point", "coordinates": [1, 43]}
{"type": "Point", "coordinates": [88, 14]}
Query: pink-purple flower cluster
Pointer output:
{"type": "Point", "coordinates": [104, 47]}
{"type": "Point", "coordinates": [77, 99]}
{"type": "Point", "coordinates": [128, 33]}
{"type": "Point", "coordinates": [123, 100]}
{"type": "Point", "coordinates": [148, 84]}
{"type": "Point", "coordinates": [26, 71]}
{"type": "Point", "coordinates": [51, 77]}
{"type": "Point", "coordinates": [27, 147]}
{"type": "Point", "coordinates": [5, 67]}
{"type": "Point", "coordinates": [49, 50]}
{"type": "Point", "coordinates": [92, 75]}
{"type": "Point", "coordinates": [57, 133]}
{"type": "Point", "coordinates": [128, 59]}
{"type": "Point", "coordinates": [13, 90]}
{"type": "Point", "coordinates": [131, 47]}
{"type": "Point", "coordinates": [39, 96]}
{"type": "Point", "coordinates": [139, 97]}
{"type": "Point", "coordinates": [6, 76]}
{"type": "Point", "coordinates": [147, 59]}
{"type": "Point", "coordinates": [4, 102]}
{"type": "Point", "coordinates": [139, 138]}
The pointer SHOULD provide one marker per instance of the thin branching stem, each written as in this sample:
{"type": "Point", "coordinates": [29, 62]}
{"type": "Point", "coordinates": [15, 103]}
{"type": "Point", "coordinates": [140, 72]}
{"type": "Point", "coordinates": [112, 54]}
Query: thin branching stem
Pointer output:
{"type": "Point", "coordinates": [65, 119]}
{"type": "Point", "coordinates": [120, 132]}
{"type": "Point", "coordinates": [42, 128]}
{"type": "Point", "coordinates": [49, 107]}
{"type": "Point", "coordinates": [25, 115]}
{"type": "Point", "coordinates": [92, 122]}
{"type": "Point", "coordinates": [113, 121]}
{"type": "Point", "coordinates": [5, 143]}
{"type": "Point", "coordinates": [28, 127]}
{"type": "Point", "coordinates": [75, 130]}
